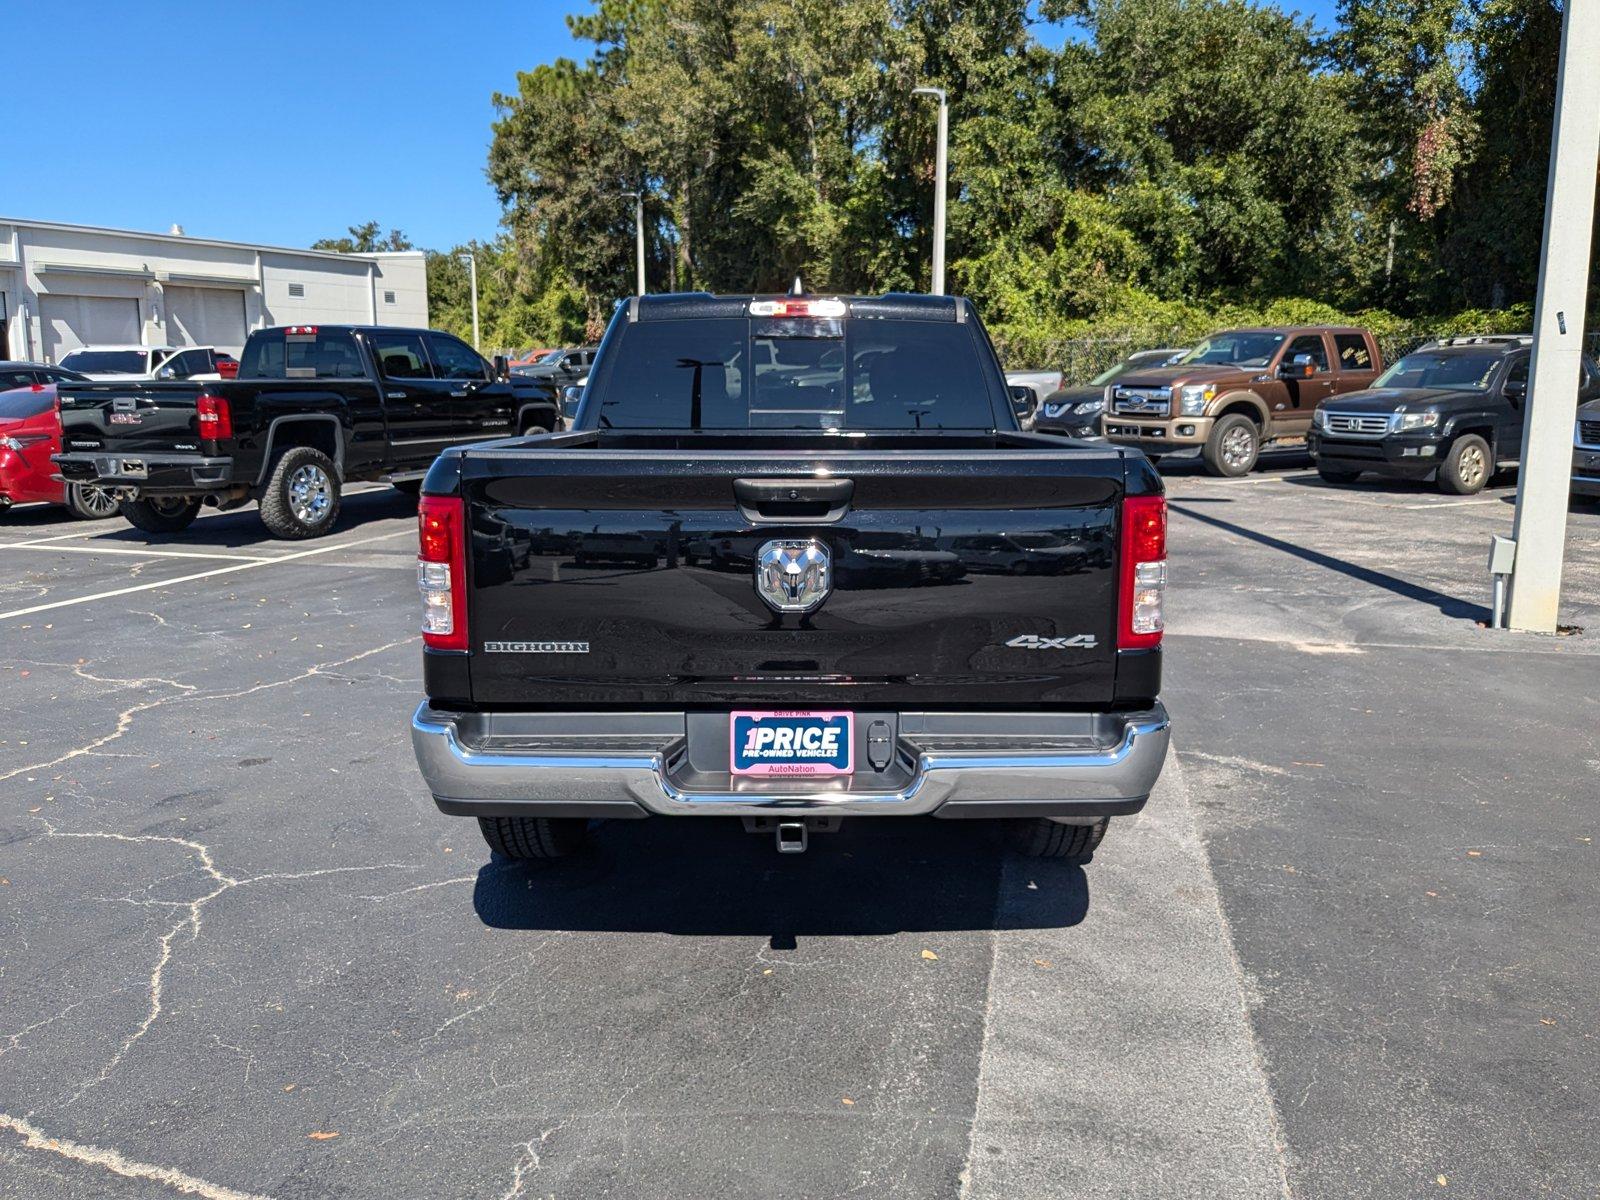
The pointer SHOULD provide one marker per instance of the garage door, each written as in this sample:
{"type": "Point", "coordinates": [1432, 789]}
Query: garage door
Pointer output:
{"type": "Point", "coordinates": [205, 317]}
{"type": "Point", "coordinates": [73, 321]}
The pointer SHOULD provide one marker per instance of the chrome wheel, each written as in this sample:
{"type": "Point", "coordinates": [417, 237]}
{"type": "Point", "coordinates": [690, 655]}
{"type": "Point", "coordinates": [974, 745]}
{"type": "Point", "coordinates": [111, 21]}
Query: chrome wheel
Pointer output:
{"type": "Point", "coordinates": [1237, 448]}
{"type": "Point", "coordinates": [1471, 466]}
{"type": "Point", "coordinates": [310, 494]}
{"type": "Point", "coordinates": [94, 502]}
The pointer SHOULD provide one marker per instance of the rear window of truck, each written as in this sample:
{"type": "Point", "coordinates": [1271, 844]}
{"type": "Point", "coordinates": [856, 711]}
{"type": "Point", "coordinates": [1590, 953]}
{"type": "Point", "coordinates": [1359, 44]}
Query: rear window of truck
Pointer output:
{"type": "Point", "coordinates": [795, 373]}
{"type": "Point", "coordinates": [325, 354]}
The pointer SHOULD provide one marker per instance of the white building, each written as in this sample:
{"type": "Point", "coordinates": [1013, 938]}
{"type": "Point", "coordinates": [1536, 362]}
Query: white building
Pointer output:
{"type": "Point", "coordinates": [63, 286]}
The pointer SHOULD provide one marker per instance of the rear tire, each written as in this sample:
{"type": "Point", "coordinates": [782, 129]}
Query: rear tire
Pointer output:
{"type": "Point", "coordinates": [1335, 475]}
{"type": "Point", "coordinates": [302, 496]}
{"type": "Point", "coordinates": [534, 837]}
{"type": "Point", "coordinates": [533, 429]}
{"type": "Point", "coordinates": [90, 503]}
{"type": "Point", "coordinates": [162, 514]}
{"type": "Point", "coordinates": [1040, 837]}
{"type": "Point", "coordinates": [1467, 467]}
{"type": "Point", "coordinates": [1233, 447]}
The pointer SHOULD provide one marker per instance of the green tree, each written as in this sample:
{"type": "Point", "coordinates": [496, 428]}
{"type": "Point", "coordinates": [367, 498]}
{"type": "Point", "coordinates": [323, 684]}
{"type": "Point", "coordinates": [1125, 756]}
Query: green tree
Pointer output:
{"type": "Point", "coordinates": [365, 239]}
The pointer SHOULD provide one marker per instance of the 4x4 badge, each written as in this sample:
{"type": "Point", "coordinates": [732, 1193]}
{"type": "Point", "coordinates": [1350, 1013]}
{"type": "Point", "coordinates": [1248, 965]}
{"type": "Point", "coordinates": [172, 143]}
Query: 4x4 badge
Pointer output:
{"type": "Point", "coordinates": [1032, 641]}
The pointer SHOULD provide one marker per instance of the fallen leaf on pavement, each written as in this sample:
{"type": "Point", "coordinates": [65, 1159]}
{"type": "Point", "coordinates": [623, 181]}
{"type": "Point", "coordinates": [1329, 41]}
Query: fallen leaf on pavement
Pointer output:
{"type": "Point", "coordinates": [322, 1135]}
{"type": "Point", "coordinates": [930, 956]}
{"type": "Point", "coordinates": [1474, 853]}
{"type": "Point", "coordinates": [847, 1100]}
{"type": "Point", "coordinates": [1043, 962]}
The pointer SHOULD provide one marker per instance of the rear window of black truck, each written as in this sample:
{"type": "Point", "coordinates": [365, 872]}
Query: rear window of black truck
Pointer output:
{"type": "Point", "coordinates": [729, 373]}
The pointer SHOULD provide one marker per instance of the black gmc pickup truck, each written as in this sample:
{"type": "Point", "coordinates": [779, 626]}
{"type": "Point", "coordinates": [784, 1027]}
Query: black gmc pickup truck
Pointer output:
{"type": "Point", "coordinates": [313, 408]}
{"type": "Point", "coordinates": [753, 582]}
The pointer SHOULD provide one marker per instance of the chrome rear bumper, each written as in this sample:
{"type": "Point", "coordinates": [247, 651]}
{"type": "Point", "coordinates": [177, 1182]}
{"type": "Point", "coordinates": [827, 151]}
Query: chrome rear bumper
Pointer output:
{"type": "Point", "coordinates": [633, 765]}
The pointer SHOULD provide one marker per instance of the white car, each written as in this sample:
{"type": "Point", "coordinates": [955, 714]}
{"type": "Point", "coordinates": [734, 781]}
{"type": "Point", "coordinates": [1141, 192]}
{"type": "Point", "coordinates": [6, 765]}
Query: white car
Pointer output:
{"type": "Point", "coordinates": [127, 363]}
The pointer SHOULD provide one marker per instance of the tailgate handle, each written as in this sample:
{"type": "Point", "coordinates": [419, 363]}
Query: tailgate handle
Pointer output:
{"type": "Point", "coordinates": [763, 501]}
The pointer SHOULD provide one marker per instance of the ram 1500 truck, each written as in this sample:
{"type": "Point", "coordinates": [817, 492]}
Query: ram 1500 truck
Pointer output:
{"type": "Point", "coordinates": [312, 408]}
{"type": "Point", "coordinates": [1238, 390]}
{"type": "Point", "coordinates": [736, 588]}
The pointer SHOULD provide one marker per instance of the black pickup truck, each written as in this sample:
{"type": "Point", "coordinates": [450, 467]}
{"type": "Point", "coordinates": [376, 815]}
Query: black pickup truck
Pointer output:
{"type": "Point", "coordinates": [313, 408]}
{"type": "Point", "coordinates": [737, 588]}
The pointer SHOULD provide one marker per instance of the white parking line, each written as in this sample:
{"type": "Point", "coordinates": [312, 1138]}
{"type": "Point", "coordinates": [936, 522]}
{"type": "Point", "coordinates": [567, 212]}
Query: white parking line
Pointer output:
{"type": "Point", "coordinates": [244, 566]}
{"type": "Point", "coordinates": [98, 549]}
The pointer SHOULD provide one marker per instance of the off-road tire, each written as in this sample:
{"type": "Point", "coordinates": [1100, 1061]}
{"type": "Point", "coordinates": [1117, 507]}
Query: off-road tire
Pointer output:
{"type": "Point", "coordinates": [302, 496]}
{"type": "Point", "coordinates": [1335, 475]}
{"type": "Point", "coordinates": [90, 503]}
{"type": "Point", "coordinates": [164, 514]}
{"type": "Point", "coordinates": [534, 837]}
{"type": "Point", "coordinates": [1039, 837]}
{"type": "Point", "coordinates": [1220, 452]}
{"type": "Point", "coordinates": [1467, 467]}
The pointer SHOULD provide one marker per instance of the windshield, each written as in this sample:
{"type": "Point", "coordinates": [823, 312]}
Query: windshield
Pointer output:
{"type": "Point", "coordinates": [553, 356]}
{"type": "Point", "coordinates": [25, 402]}
{"type": "Point", "coordinates": [1464, 371]}
{"type": "Point", "coordinates": [789, 373]}
{"type": "Point", "coordinates": [1236, 348]}
{"type": "Point", "coordinates": [106, 362]}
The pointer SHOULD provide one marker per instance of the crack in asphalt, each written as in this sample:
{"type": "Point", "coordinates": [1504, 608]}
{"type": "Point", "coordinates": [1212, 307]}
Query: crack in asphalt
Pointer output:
{"type": "Point", "coordinates": [117, 1163]}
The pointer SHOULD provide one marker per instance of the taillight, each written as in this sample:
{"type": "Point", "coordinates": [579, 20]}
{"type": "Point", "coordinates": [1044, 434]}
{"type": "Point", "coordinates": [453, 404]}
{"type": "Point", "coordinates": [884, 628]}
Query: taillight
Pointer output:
{"type": "Point", "coordinates": [442, 571]}
{"type": "Point", "coordinates": [1144, 572]}
{"type": "Point", "coordinates": [216, 418]}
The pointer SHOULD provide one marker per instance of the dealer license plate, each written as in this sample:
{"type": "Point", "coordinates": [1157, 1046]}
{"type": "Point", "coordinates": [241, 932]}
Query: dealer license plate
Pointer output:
{"type": "Point", "coordinates": [792, 743]}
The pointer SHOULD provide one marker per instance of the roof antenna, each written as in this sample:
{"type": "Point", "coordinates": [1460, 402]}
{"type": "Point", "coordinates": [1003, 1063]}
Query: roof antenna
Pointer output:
{"type": "Point", "coordinates": [799, 289]}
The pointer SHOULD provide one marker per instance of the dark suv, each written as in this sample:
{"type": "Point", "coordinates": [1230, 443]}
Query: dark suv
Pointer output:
{"type": "Point", "coordinates": [1452, 409]}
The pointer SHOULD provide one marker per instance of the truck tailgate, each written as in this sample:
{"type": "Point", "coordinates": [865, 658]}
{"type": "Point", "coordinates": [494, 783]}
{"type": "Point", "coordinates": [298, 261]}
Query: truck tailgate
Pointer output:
{"type": "Point", "coordinates": [133, 417]}
{"type": "Point", "coordinates": [972, 577]}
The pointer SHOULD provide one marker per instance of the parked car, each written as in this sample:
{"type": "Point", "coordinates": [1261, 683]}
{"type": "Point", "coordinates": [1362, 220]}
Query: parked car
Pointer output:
{"type": "Point", "coordinates": [313, 408]}
{"type": "Point", "coordinates": [26, 374]}
{"type": "Point", "coordinates": [30, 433]}
{"type": "Point", "coordinates": [835, 674]}
{"type": "Point", "coordinates": [559, 367]}
{"type": "Point", "coordinates": [1586, 451]}
{"type": "Point", "coordinates": [1452, 409]}
{"type": "Point", "coordinates": [144, 362]}
{"type": "Point", "coordinates": [1039, 384]}
{"type": "Point", "coordinates": [1076, 411]}
{"type": "Point", "coordinates": [1238, 390]}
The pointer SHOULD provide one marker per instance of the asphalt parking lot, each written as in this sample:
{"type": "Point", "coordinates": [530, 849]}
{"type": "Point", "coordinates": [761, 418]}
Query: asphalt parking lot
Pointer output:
{"type": "Point", "coordinates": [1347, 950]}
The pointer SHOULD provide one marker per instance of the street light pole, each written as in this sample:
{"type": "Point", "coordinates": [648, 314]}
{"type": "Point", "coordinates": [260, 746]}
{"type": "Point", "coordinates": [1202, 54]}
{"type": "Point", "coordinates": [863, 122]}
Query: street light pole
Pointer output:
{"type": "Point", "coordinates": [638, 239]}
{"type": "Point", "coordinates": [940, 172]}
{"type": "Point", "coordinates": [1550, 407]}
{"type": "Point", "coordinates": [472, 270]}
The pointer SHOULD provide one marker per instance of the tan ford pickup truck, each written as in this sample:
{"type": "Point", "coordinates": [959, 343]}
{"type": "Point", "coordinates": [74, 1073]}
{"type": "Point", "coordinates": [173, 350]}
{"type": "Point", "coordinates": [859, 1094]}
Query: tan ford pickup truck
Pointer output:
{"type": "Point", "coordinates": [1238, 390]}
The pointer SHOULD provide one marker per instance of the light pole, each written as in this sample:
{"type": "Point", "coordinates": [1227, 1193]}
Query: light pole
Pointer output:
{"type": "Point", "coordinates": [940, 170]}
{"type": "Point", "coordinates": [472, 268]}
{"type": "Point", "coordinates": [638, 239]}
{"type": "Point", "coordinates": [1552, 399]}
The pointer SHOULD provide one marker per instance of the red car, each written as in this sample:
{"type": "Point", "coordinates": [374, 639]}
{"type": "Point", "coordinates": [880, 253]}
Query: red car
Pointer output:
{"type": "Point", "coordinates": [30, 432]}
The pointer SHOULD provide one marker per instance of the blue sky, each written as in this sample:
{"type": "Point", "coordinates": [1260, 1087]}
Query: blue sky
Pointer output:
{"type": "Point", "coordinates": [275, 122]}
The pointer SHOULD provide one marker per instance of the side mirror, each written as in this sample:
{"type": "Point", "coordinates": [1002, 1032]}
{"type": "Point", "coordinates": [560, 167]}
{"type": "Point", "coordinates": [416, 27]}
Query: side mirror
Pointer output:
{"type": "Point", "coordinates": [1516, 391]}
{"type": "Point", "coordinates": [167, 373]}
{"type": "Point", "coordinates": [1023, 401]}
{"type": "Point", "coordinates": [502, 367]}
{"type": "Point", "coordinates": [1301, 367]}
{"type": "Point", "coordinates": [571, 395]}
